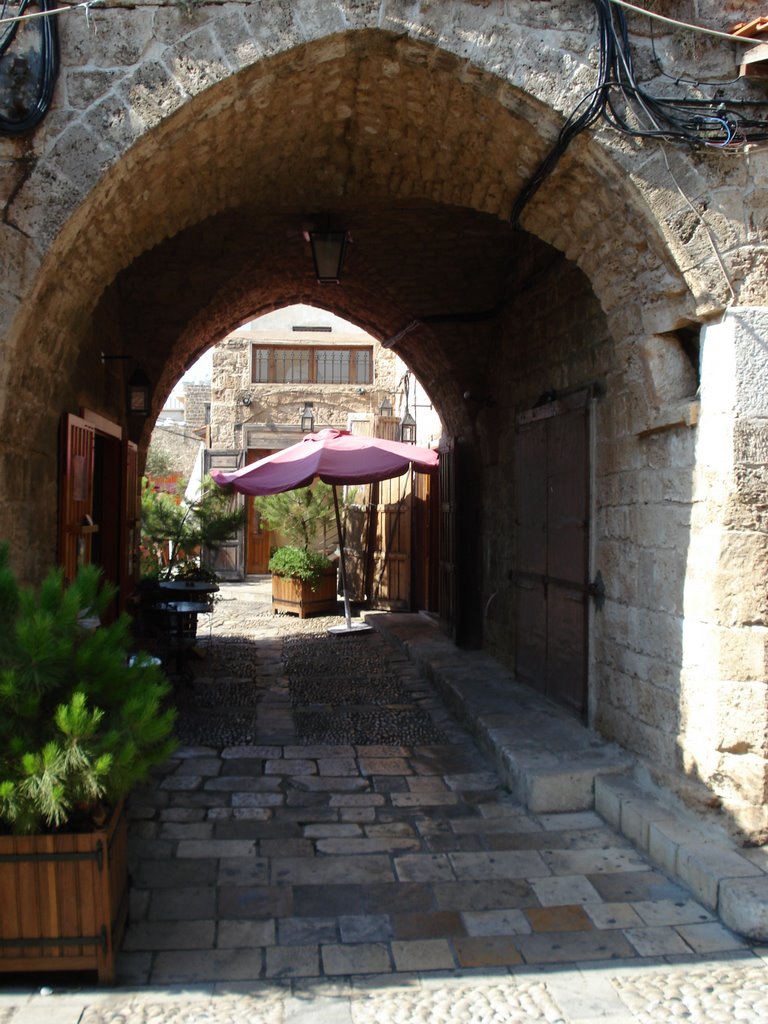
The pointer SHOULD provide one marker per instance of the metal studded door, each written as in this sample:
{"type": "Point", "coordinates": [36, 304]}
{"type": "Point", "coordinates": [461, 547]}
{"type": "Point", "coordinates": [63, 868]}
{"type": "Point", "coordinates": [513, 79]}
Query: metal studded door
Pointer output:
{"type": "Point", "coordinates": [551, 575]}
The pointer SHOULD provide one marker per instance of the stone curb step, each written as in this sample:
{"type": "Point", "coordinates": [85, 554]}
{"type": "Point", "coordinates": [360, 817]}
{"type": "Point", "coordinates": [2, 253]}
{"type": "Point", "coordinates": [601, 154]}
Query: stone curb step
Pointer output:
{"type": "Point", "coordinates": [551, 763]}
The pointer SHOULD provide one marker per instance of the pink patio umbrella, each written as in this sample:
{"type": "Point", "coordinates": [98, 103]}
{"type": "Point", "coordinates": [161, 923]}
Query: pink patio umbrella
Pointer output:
{"type": "Point", "coordinates": [336, 457]}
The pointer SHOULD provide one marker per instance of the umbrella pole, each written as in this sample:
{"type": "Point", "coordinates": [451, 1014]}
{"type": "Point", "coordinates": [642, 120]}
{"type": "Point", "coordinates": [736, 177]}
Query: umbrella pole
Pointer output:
{"type": "Point", "coordinates": [342, 566]}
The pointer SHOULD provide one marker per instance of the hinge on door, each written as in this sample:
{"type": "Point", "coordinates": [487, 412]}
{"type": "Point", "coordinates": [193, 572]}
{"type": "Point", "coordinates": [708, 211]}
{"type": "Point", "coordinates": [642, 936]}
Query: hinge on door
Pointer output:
{"type": "Point", "coordinates": [596, 589]}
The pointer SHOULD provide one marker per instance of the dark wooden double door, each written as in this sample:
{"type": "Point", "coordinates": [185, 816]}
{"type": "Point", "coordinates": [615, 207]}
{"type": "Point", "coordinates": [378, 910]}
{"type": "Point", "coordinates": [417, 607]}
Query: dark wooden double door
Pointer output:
{"type": "Point", "coordinates": [550, 579]}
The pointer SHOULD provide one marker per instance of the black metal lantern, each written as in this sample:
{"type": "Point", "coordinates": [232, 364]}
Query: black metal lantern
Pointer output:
{"type": "Point", "coordinates": [408, 428]}
{"type": "Point", "coordinates": [138, 393]}
{"type": "Point", "coordinates": [307, 418]}
{"type": "Point", "coordinates": [385, 409]}
{"type": "Point", "coordinates": [328, 249]}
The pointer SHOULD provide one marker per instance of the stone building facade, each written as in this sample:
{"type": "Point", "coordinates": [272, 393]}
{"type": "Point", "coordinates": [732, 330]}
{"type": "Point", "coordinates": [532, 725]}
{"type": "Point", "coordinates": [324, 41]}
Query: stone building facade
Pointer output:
{"type": "Point", "coordinates": [181, 427]}
{"type": "Point", "coordinates": [164, 200]}
{"type": "Point", "coordinates": [249, 413]}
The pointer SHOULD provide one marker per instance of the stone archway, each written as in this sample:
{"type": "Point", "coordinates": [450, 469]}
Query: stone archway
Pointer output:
{"type": "Point", "coordinates": [169, 206]}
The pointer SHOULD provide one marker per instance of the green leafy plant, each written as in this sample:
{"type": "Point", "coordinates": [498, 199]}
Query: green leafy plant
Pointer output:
{"type": "Point", "coordinates": [80, 722]}
{"type": "Point", "coordinates": [299, 515]}
{"type": "Point", "coordinates": [180, 529]}
{"type": "Point", "coordinates": [299, 563]}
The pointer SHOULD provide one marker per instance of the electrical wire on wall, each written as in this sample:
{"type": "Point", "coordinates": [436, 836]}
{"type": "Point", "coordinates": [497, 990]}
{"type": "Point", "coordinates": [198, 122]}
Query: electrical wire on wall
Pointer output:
{"type": "Point", "coordinates": [619, 100]}
{"type": "Point", "coordinates": [27, 72]}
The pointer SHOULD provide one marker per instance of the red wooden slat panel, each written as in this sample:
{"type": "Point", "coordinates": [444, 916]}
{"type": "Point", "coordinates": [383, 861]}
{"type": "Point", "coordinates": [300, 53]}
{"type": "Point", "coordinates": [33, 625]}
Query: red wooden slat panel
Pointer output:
{"type": "Point", "coordinates": [76, 494]}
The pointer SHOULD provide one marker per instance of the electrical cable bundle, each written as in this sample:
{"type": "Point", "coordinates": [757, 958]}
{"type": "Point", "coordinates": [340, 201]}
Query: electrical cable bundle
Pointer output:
{"type": "Point", "coordinates": [619, 100]}
{"type": "Point", "coordinates": [19, 117]}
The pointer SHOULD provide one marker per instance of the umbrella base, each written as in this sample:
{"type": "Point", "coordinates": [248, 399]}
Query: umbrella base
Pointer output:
{"type": "Point", "coordinates": [353, 627]}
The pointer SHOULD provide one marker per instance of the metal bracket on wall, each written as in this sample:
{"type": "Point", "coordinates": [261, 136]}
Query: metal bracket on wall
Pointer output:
{"type": "Point", "coordinates": [596, 590]}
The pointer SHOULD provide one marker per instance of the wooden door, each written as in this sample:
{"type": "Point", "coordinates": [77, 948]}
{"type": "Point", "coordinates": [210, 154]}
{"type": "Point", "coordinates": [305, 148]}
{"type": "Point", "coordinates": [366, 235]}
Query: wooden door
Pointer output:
{"type": "Point", "coordinates": [257, 533]}
{"type": "Point", "coordinates": [76, 525]}
{"type": "Point", "coordinates": [551, 575]}
{"type": "Point", "coordinates": [425, 546]}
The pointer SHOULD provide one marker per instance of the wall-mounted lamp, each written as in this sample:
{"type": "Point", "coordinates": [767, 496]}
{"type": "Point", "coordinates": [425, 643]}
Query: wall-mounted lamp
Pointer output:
{"type": "Point", "coordinates": [138, 387]}
{"type": "Point", "coordinates": [328, 249]}
{"type": "Point", "coordinates": [246, 400]}
{"type": "Point", "coordinates": [307, 418]}
{"type": "Point", "coordinates": [138, 393]}
{"type": "Point", "coordinates": [385, 409]}
{"type": "Point", "coordinates": [408, 428]}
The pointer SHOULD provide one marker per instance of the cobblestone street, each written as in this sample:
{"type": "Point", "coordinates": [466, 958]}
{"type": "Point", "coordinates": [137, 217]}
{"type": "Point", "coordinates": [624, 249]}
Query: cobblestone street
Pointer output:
{"type": "Point", "coordinates": [330, 845]}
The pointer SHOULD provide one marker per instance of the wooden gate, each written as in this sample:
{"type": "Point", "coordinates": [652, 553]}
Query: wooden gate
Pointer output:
{"type": "Point", "coordinates": [425, 541]}
{"type": "Point", "coordinates": [390, 564]}
{"type": "Point", "coordinates": [378, 543]}
{"type": "Point", "coordinates": [551, 575]}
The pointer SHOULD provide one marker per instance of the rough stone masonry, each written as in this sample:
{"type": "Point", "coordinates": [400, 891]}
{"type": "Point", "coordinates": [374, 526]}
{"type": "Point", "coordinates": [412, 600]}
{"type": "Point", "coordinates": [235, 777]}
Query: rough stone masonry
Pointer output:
{"type": "Point", "coordinates": [161, 203]}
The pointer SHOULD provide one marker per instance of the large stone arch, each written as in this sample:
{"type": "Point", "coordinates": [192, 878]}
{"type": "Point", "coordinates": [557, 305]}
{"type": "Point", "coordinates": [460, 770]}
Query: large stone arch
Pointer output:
{"type": "Point", "coordinates": [163, 200]}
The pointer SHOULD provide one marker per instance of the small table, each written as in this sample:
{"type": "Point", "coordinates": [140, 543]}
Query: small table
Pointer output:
{"type": "Point", "coordinates": [180, 626]}
{"type": "Point", "coordinates": [195, 590]}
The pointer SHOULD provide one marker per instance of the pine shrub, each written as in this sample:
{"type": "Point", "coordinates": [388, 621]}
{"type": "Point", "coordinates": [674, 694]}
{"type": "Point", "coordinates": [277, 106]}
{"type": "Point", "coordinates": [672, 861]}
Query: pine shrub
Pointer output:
{"type": "Point", "coordinates": [79, 725]}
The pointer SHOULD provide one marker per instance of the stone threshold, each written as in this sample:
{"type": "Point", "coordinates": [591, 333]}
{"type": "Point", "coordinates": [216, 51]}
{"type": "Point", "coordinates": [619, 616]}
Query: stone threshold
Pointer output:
{"type": "Point", "coordinates": [554, 764]}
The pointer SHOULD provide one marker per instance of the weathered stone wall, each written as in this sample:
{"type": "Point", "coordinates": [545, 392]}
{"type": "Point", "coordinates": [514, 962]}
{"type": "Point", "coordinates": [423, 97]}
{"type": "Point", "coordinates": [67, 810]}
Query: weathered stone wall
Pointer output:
{"type": "Point", "coordinates": [239, 404]}
{"type": "Point", "coordinates": [197, 404]}
{"type": "Point", "coordinates": [161, 203]}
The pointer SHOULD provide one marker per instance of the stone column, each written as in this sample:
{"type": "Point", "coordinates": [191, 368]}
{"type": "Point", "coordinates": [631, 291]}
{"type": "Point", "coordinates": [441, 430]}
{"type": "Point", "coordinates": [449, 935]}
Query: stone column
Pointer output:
{"type": "Point", "coordinates": [724, 711]}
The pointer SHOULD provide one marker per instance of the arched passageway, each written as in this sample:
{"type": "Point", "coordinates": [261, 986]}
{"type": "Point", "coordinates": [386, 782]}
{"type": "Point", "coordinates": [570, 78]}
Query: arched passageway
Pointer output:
{"type": "Point", "coordinates": [195, 224]}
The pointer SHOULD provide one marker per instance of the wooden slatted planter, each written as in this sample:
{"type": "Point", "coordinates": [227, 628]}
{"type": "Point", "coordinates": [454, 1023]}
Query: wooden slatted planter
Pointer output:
{"type": "Point", "coordinates": [64, 900]}
{"type": "Point", "coordinates": [297, 596]}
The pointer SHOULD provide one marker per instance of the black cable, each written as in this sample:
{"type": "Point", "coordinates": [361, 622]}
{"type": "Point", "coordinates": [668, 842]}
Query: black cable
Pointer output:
{"type": "Point", "coordinates": [627, 107]}
{"type": "Point", "coordinates": [21, 119]}
{"type": "Point", "coordinates": [677, 79]}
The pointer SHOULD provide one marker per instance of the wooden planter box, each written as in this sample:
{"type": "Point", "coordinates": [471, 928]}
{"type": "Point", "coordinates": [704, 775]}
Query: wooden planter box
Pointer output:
{"type": "Point", "coordinates": [64, 900]}
{"type": "Point", "coordinates": [297, 596]}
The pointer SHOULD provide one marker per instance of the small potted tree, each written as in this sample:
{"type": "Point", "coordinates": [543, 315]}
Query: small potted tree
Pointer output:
{"type": "Point", "coordinates": [81, 721]}
{"type": "Point", "coordinates": [183, 528]}
{"type": "Point", "coordinates": [175, 535]}
{"type": "Point", "coordinates": [303, 577]}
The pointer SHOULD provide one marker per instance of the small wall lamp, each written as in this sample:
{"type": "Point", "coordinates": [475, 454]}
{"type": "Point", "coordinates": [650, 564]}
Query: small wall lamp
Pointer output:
{"type": "Point", "coordinates": [408, 428]}
{"type": "Point", "coordinates": [138, 387]}
{"type": "Point", "coordinates": [385, 409]}
{"type": "Point", "coordinates": [307, 418]}
{"type": "Point", "coordinates": [138, 393]}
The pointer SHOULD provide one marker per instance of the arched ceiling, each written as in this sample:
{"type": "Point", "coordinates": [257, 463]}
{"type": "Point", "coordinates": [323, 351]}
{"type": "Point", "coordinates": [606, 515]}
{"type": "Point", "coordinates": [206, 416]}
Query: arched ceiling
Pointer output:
{"type": "Point", "coordinates": [199, 225]}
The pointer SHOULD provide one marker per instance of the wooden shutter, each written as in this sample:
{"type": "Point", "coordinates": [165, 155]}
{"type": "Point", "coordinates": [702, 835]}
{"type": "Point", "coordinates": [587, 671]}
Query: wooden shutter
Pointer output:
{"type": "Point", "coordinates": [130, 525]}
{"type": "Point", "coordinates": [75, 494]}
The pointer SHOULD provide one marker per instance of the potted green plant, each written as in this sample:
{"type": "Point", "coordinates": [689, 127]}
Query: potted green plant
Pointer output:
{"type": "Point", "coordinates": [81, 721]}
{"type": "Point", "coordinates": [176, 537]}
{"type": "Point", "coordinates": [303, 577]}
{"type": "Point", "coordinates": [176, 532]}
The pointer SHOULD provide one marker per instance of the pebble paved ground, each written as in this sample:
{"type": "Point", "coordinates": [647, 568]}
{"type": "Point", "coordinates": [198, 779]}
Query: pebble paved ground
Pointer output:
{"type": "Point", "coordinates": [329, 845]}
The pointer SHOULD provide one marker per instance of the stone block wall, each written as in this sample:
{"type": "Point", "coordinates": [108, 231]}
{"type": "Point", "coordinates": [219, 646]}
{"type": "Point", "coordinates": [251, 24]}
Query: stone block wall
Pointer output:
{"type": "Point", "coordinates": [238, 405]}
{"type": "Point", "coordinates": [161, 202]}
{"type": "Point", "coordinates": [677, 670]}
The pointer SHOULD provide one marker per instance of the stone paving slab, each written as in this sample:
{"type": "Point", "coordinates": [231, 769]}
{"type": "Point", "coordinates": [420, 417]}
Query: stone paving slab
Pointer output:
{"type": "Point", "coordinates": [492, 985]}
{"type": "Point", "coordinates": [551, 762]}
{"type": "Point", "coordinates": [439, 869]}
{"type": "Point", "coordinates": [548, 916]}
